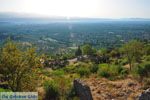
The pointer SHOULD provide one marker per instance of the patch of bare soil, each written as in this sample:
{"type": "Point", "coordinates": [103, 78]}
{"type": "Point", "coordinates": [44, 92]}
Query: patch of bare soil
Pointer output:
{"type": "Point", "coordinates": [123, 89]}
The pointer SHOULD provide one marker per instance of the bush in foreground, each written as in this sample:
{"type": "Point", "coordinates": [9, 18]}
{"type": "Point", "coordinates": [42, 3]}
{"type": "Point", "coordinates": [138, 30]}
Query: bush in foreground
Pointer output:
{"type": "Point", "coordinates": [52, 90]}
{"type": "Point", "coordinates": [93, 69]}
{"type": "Point", "coordinates": [83, 71]}
{"type": "Point", "coordinates": [143, 69]}
{"type": "Point", "coordinates": [111, 72]}
{"type": "Point", "coordinates": [18, 67]}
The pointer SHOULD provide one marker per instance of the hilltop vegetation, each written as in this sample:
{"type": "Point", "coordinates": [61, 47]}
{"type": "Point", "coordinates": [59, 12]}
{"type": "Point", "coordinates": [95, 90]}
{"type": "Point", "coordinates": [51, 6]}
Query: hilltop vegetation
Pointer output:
{"type": "Point", "coordinates": [21, 69]}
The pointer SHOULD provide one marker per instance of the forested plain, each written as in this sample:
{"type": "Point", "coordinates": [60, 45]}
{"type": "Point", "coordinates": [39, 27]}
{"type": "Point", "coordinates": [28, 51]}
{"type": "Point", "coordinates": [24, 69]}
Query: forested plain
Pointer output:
{"type": "Point", "coordinates": [112, 57]}
{"type": "Point", "coordinates": [63, 36]}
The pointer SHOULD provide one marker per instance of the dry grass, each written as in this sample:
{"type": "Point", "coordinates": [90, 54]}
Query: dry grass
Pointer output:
{"type": "Point", "coordinates": [103, 89]}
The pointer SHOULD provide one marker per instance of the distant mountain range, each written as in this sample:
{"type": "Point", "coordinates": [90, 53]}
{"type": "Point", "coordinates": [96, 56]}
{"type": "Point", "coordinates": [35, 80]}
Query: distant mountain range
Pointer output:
{"type": "Point", "coordinates": [23, 17]}
{"type": "Point", "coordinates": [27, 15]}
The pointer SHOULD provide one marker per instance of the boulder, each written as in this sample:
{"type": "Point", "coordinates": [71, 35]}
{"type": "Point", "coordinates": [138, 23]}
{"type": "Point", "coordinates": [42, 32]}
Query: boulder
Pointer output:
{"type": "Point", "coordinates": [82, 90]}
{"type": "Point", "coordinates": [145, 95]}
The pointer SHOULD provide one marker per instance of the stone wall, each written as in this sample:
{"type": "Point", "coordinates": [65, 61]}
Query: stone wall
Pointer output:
{"type": "Point", "coordinates": [82, 90]}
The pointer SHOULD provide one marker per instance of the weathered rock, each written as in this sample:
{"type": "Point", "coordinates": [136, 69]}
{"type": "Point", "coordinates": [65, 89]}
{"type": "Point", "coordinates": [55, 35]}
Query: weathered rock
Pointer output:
{"type": "Point", "coordinates": [145, 95]}
{"type": "Point", "coordinates": [130, 84]}
{"type": "Point", "coordinates": [82, 90]}
{"type": "Point", "coordinates": [108, 95]}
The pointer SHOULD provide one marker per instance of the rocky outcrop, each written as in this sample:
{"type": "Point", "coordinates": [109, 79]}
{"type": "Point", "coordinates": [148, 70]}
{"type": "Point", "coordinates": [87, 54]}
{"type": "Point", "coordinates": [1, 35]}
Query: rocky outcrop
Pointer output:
{"type": "Point", "coordinates": [145, 95]}
{"type": "Point", "coordinates": [82, 90]}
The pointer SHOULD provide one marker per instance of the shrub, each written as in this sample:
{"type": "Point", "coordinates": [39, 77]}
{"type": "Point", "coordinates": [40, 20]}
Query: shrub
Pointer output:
{"type": "Point", "coordinates": [88, 50]}
{"type": "Point", "coordinates": [5, 90]}
{"type": "Point", "coordinates": [83, 71]}
{"type": "Point", "coordinates": [111, 72]}
{"type": "Point", "coordinates": [70, 94]}
{"type": "Point", "coordinates": [117, 69]}
{"type": "Point", "coordinates": [146, 83]}
{"type": "Point", "coordinates": [64, 83]}
{"type": "Point", "coordinates": [81, 64]}
{"type": "Point", "coordinates": [143, 69]}
{"type": "Point", "coordinates": [104, 72]}
{"type": "Point", "coordinates": [93, 69]}
{"type": "Point", "coordinates": [148, 58]}
{"type": "Point", "coordinates": [120, 70]}
{"type": "Point", "coordinates": [124, 62]}
{"type": "Point", "coordinates": [64, 57]}
{"type": "Point", "coordinates": [70, 69]}
{"type": "Point", "coordinates": [59, 72]}
{"type": "Point", "coordinates": [104, 65]}
{"type": "Point", "coordinates": [18, 67]}
{"type": "Point", "coordinates": [46, 73]}
{"type": "Point", "coordinates": [76, 76]}
{"type": "Point", "coordinates": [125, 72]}
{"type": "Point", "coordinates": [52, 90]}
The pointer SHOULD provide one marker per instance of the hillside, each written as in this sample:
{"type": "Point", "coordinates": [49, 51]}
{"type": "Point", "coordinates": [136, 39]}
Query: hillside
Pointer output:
{"type": "Point", "coordinates": [111, 73]}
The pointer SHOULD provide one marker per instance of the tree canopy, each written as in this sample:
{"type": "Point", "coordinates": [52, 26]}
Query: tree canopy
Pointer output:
{"type": "Point", "coordinates": [132, 51]}
{"type": "Point", "coordinates": [18, 67]}
{"type": "Point", "coordinates": [88, 50]}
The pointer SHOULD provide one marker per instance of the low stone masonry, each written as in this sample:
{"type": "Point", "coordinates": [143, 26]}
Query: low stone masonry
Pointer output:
{"type": "Point", "coordinates": [145, 95]}
{"type": "Point", "coordinates": [82, 90]}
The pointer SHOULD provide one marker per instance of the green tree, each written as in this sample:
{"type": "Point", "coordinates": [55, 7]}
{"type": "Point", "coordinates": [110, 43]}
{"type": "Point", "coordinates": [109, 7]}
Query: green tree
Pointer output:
{"type": "Point", "coordinates": [105, 55]}
{"type": "Point", "coordinates": [88, 50]}
{"type": "Point", "coordinates": [147, 49]}
{"type": "Point", "coordinates": [78, 52]}
{"type": "Point", "coordinates": [19, 68]}
{"type": "Point", "coordinates": [132, 51]}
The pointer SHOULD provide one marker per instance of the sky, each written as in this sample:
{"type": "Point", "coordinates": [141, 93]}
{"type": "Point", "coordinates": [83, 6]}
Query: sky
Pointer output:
{"type": "Point", "coordinates": [80, 8]}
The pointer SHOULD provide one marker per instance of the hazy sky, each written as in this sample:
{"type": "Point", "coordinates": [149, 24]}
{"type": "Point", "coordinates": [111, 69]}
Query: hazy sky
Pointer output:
{"type": "Point", "coordinates": [80, 8]}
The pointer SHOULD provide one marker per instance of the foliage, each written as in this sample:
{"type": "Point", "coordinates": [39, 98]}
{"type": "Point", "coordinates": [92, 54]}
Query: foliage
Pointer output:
{"type": "Point", "coordinates": [59, 88]}
{"type": "Point", "coordinates": [58, 72]}
{"type": "Point", "coordinates": [52, 90]}
{"type": "Point", "coordinates": [104, 64]}
{"type": "Point", "coordinates": [46, 72]}
{"type": "Point", "coordinates": [132, 51]}
{"type": "Point", "coordinates": [148, 58]}
{"type": "Point", "coordinates": [147, 49]}
{"type": "Point", "coordinates": [78, 52]}
{"type": "Point", "coordinates": [111, 72]}
{"type": "Point", "coordinates": [114, 53]}
{"type": "Point", "coordinates": [124, 72]}
{"type": "Point", "coordinates": [105, 55]}
{"type": "Point", "coordinates": [19, 68]}
{"type": "Point", "coordinates": [81, 64]}
{"type": "Point", "coordinates": [99, 35]}
{"type": "Point", "coordinates": [71, 95]}
{"type": "Point", "coordinates": [83, 71]}
{"type": "Point", "coordinates": [93, 69]}
{"type": "Point", "coordinates": [106, 72]}
{"type": "Point", "coordinates": [143, 69]}
{"type": "Point", "coordinates": [64, 57]}
{"type": "Point", "coordinates": [146, 83]}
{"type": "Point", "coordinates": [88, 50]}
{"type": "Point", "coordinates": [123, 62]}
{"type": "Point", "coordinates": [70, 69]}
{"type": "Point", "coordinates": [5, 90]}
